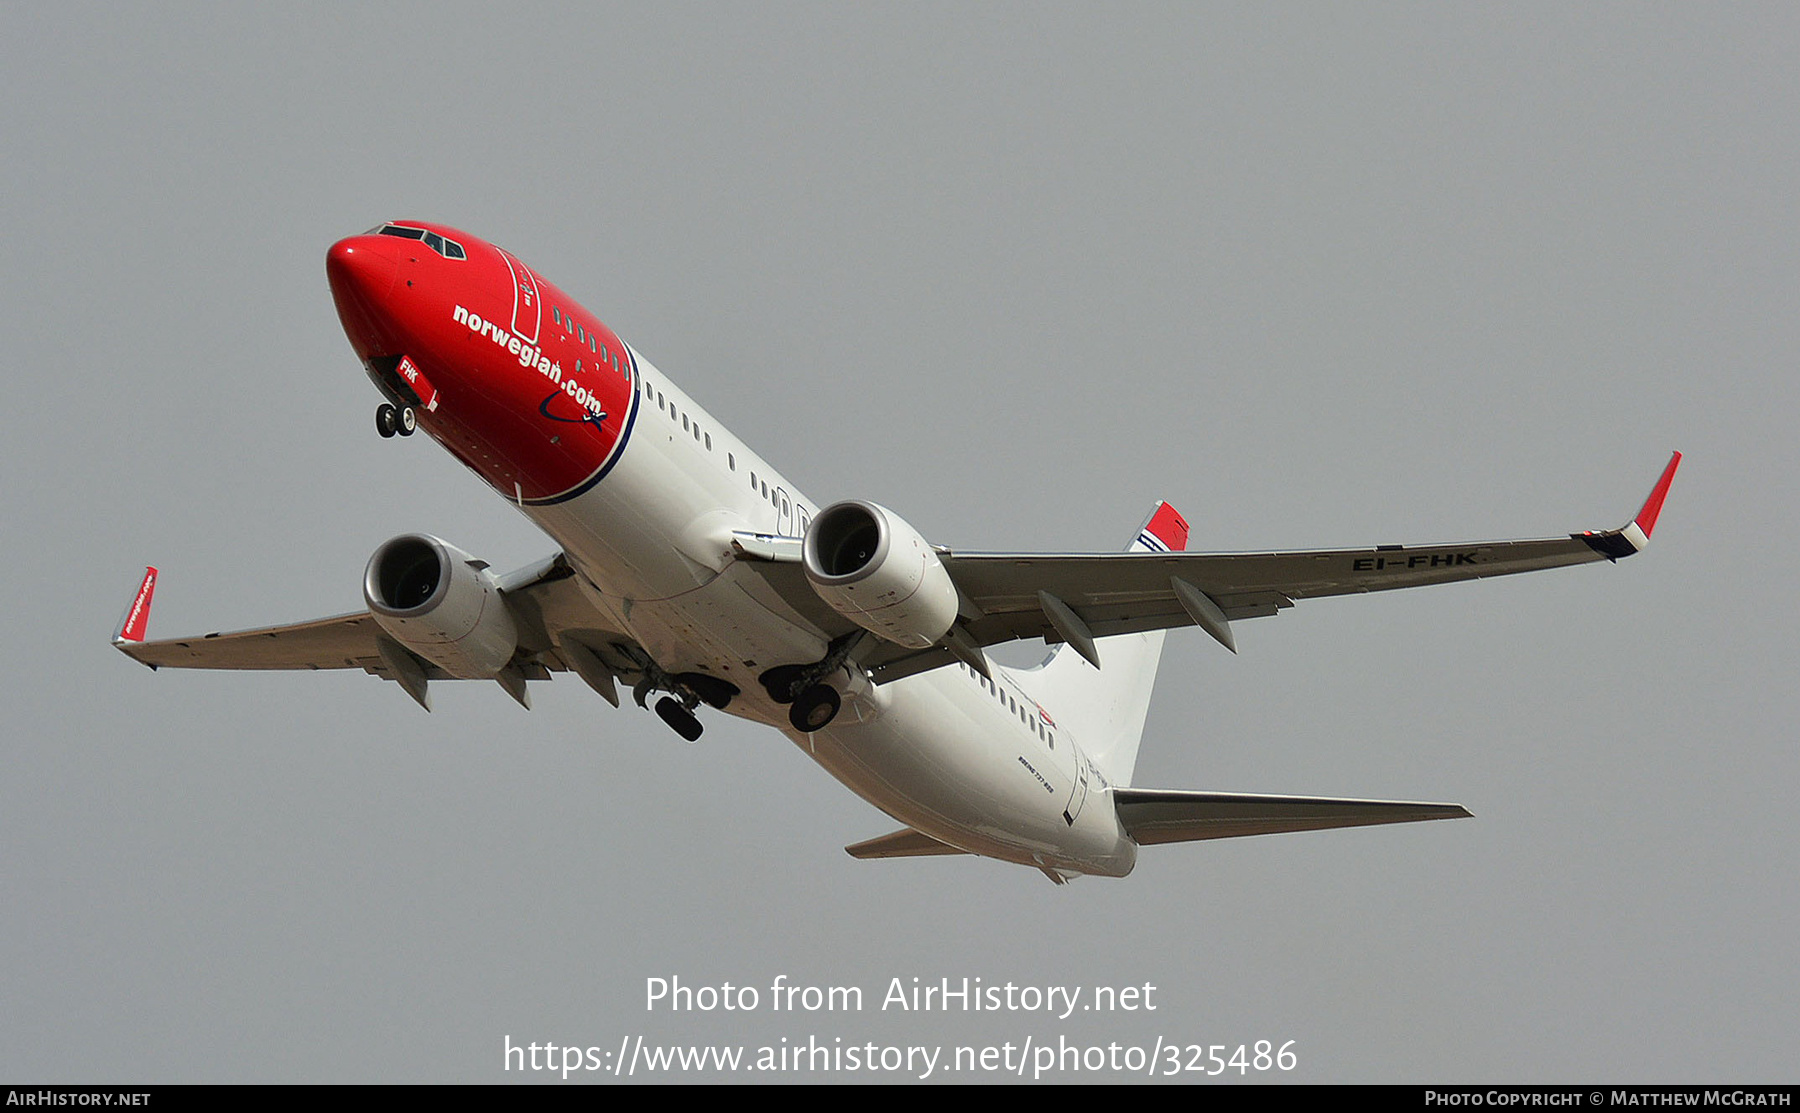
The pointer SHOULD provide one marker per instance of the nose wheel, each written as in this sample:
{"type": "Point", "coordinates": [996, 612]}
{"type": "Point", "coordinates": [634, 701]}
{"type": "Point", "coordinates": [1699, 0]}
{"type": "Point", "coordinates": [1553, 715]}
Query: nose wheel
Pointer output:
{"type": "Point", "coordinates": [391, 419]}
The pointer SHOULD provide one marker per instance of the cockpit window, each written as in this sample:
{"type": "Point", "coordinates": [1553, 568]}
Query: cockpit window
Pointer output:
{"type": "Point", "coordinates": [449, 249]}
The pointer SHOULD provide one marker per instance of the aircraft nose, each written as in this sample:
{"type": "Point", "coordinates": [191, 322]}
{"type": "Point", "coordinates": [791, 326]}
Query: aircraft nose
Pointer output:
{"type": "Point", "coordinates": [363, 272]}
{"type": "Point", "coordinates": [360, 270]}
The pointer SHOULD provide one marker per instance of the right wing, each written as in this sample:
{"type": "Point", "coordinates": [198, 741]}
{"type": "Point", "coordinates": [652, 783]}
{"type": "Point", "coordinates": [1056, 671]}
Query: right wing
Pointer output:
{"type": "Point", "coordinates": [1077, 597]}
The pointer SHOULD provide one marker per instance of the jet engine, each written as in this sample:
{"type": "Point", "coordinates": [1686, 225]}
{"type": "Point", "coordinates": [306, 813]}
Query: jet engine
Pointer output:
{"type": "Point", "coordinates": [442, 604]}
{"type": "Point", "coordinates": [876, 570]}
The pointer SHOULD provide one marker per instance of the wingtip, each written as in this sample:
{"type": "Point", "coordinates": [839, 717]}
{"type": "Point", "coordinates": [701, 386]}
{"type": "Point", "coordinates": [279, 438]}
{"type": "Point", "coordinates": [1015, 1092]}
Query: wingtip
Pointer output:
{"type": "Point", "coordinates": [1614, 544]}
{"type": "Point", "coordinates": [136, 619]}
{"type": "Point", "coordinates": [1646, 518]}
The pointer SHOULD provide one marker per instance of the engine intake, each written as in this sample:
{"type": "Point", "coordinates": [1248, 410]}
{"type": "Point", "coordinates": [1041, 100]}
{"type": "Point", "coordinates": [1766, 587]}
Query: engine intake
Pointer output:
{"type": "Point", "coordinates": [873, 568]}
{"type": "Point", "coordinates": [442, 604]}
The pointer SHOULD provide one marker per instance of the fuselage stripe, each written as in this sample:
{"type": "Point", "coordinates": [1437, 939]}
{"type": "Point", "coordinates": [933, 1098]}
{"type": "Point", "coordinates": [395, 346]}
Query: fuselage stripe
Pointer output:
{"type": "Point", "coordinates": [618, 451]}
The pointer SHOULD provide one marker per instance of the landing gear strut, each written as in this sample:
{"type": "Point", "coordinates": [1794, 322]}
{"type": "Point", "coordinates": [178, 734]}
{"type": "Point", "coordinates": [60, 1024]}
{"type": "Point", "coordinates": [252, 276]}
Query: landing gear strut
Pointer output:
{"type": "Point", "coordinates": [686, 692]}
{"type": "Point", "coordinates": [814, 702]}
{"type": "Point", "coordinates": [391, 419]}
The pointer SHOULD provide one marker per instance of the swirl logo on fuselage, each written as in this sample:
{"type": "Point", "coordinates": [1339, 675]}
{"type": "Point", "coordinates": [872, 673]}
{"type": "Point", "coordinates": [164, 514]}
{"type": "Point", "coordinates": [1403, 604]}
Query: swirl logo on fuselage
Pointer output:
{"type": "Point", "coordinates": [587, 417]}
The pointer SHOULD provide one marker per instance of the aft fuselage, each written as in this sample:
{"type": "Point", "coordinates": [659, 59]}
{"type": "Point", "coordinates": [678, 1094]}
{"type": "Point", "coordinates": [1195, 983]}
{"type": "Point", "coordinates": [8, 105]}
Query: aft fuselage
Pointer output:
{"type": "Point", "coordinates": [643, 491]}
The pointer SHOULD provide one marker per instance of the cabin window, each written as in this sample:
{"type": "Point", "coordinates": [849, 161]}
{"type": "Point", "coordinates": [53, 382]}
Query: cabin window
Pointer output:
{"type": "Point", "coordinates": [731, 460]}
{"type": "Point", "coordinates": [556, 314]}
{"type": "Point", "coordinates": [709, 442]}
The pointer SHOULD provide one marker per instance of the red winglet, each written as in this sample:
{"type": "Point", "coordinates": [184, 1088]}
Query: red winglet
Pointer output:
{"type": "Point", "coordinates": [1646, 518]}
{"type": "Point", "coordinates": [137, 616]}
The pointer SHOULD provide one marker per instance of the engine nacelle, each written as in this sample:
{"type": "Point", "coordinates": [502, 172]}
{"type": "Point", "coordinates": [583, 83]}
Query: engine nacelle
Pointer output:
{"type": "Point", "coordinates": [442, 604]}
{"type": "Point", "coordinates": [876, 570]}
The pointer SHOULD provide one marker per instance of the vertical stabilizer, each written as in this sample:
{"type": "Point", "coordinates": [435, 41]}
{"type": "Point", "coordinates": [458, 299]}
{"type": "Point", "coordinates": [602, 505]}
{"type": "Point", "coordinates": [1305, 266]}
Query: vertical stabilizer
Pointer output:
{"type": "Point", "coordinates": [1104, 708]}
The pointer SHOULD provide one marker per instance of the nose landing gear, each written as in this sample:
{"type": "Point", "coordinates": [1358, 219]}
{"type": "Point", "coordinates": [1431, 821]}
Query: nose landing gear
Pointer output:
{"type": "Point", "coordinates": [391, 419]}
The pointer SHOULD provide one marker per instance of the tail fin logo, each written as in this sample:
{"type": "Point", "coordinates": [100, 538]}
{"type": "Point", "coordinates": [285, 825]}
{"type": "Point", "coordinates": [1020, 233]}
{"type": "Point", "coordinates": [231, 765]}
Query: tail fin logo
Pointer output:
{"type": "Point", "coordinates": [1165, 532]}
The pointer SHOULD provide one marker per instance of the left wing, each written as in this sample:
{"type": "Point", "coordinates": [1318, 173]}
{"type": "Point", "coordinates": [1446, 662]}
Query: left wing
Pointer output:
{"type": "Point", "coordinates": [1079, 597]}
{"type": "Point", "coordinates": [547, 607]}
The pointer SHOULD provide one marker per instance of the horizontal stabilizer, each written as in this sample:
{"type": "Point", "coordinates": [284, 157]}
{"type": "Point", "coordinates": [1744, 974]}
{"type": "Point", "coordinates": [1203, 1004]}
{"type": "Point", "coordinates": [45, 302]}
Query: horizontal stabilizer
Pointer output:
{"type": "Point", "coordinates": [904, 843]}
{"type": "Point", "coordinates": [1156, 816]}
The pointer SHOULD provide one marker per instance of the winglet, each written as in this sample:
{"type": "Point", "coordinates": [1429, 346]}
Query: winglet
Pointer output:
{"type": "Point", "coordinates": [1646, 518]}
{"type": "Point", "coordinates": [137, 616]}
{"type": "Point", "coordinates": [1615, 543]}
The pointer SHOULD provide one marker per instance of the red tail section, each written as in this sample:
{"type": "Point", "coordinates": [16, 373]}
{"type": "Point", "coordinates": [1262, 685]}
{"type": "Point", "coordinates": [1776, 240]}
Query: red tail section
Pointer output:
{"type": "Point", "coordinates": [1166, 528]}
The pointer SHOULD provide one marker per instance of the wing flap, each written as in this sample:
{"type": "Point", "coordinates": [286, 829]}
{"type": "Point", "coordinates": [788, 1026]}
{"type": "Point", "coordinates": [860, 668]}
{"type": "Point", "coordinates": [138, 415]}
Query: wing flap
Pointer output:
{"type": "Point", "coordinates": [1152, 816]}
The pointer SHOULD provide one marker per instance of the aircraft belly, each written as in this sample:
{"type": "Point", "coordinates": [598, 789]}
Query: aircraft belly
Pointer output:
{"type": "Point", "coordinates": [963, 772]}
{"type": "Point", "coordinates": [721, 629]}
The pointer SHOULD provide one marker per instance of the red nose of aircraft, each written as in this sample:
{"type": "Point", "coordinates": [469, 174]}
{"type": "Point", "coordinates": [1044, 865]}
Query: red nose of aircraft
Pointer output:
{"type": "Point", "coordinates": [362, 270]}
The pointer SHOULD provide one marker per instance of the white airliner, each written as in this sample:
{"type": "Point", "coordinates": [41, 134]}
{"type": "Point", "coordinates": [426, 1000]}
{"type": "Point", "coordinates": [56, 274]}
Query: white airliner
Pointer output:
{"type": "Point", "coordinates": [689, 566]}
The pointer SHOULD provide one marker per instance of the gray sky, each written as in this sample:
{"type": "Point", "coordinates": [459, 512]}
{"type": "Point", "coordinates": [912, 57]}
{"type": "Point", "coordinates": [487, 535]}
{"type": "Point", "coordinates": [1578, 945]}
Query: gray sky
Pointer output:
{"type": "Point", "coordinates": [1319, 275]}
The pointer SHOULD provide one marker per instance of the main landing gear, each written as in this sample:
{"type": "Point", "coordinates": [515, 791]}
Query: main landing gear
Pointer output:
{"type": "Point", "coordinates": [679, 718]}
{"type": "Point", "coordinates": [815, 708]}
{"type": "Point", "coordinates": [391, 419]}
{"type": "Point", "coordinates": [686, 690]}
{"type": "Point", "coordinates": [812, 702]}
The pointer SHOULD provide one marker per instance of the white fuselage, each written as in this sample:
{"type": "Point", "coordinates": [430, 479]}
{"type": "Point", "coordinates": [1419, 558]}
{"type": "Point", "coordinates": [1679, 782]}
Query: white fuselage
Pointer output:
{"type": "Point", "coordinates": [966, 760]}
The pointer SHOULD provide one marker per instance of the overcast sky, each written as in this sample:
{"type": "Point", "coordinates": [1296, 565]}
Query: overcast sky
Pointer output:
{"type": "Point", "coordinates": [1319, 275]}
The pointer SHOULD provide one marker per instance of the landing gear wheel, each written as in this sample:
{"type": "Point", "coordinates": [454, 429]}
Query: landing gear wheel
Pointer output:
{"type": "Point", "coordinates": [679, 718]}
{"type": "Point", "coordinates": [406, 421]}
{"type": "Point", "coordinates": [387, 420]}
{"type": "Point", "coordinates": [815, 708]}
